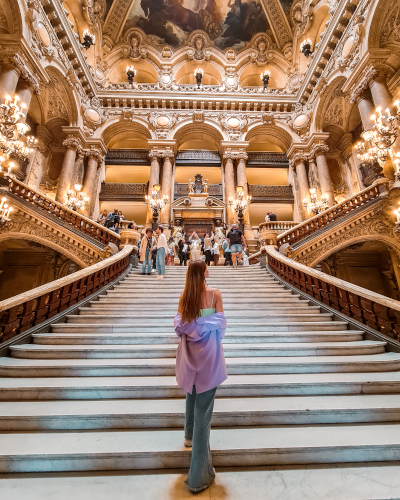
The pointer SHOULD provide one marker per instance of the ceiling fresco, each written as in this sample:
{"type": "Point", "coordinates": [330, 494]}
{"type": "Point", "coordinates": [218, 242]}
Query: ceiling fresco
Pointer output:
{"type": "Point", "coordinates": [228, 23]}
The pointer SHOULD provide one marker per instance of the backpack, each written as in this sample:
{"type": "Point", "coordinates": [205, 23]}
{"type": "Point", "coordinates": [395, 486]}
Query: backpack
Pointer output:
{"type": "Point", "coordinates": [109, 222]}
{"type": "Point", "coordinates": [234, 237]}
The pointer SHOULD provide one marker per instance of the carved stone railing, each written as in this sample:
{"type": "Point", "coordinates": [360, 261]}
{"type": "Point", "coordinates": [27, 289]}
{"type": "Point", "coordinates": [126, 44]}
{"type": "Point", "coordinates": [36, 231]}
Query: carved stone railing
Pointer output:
{"type": "Point", "coordinates": [111, 191]}
{"type": "Point", "coordinates": [28, 309]}
{"type": "Point", "coordinates": [180, 190]}
{"type": "Point", "coordinates": [59, 211]}
{"type": "Point", "coordinates": [280, 226]}
{"type": "Point", "coordinates": [197, 157]}
{"type": "Point", "coordinates": [271, 193]}
{"type": "Point", "coordinates": [369, 308]}
{"type": "Point", "coordinates": [333, 214]}
{"type": "Point", "coordinates": [267, 159]}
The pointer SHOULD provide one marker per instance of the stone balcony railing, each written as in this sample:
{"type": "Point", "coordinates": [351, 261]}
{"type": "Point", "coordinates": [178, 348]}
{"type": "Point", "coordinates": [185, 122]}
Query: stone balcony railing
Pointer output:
{"type": "Point", "coordinates": [279, 226]}
{"type": "Point", "coordinates": [271, 194]}
{"type": "Point", "coordinates": [111, 191]}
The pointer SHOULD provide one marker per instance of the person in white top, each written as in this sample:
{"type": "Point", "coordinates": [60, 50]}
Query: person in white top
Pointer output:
{"type": "Point", "coordinates": [195, 246]}
{"type": "Point", "coordinates": [208, 248]}
{"type": "Point", "coordinates": [162, 249]}
{"type": "Point", "coordinates": [216, 253]}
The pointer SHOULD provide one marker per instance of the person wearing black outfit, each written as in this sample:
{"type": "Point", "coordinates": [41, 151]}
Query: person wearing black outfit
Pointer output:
{"type": "Point", "coordinates": [272, 217]}
{"type": "Point", "coordinates": [236, 241]}
{"type": "Point", "coordinates": [115, 228]}
{"type": "Point", "coordinates": [183, 253]}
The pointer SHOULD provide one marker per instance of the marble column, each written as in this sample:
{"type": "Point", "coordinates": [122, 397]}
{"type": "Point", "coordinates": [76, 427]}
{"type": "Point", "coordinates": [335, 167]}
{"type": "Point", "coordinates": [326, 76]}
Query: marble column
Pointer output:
{"type": "Point", "coordinates": [67, 169]}
{"type": "Point", "coordinates": [166, 187]}
{"type": "Point", "coordinates": [242, 181]}
{"type": "Point", "coordinates": [153, 180]}
{"type": "Point", "coordinates": [230, 188]}
{"type": "Point", "coordinates": [366, 108]}
{"type": "Point", "coordinates": [89, 183]}
{"type": "Point", "coordinates": [79, 169]}
{"type": "Point", "coordinates": [39, 157]}
{"type": "Point", "coordinates": [323, 172]}
{"type": "Point", "coordinates": [9, 77]}
{"type": "Point", "coordinates": [24, 91]}
{"type": "Point", "coordinates": [313, 176]}
{"type": "Point", "coordinates": [302, 181]}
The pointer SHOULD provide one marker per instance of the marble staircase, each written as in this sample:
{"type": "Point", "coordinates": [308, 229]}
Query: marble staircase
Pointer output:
{"type": "Point", "coordinates": [97, 395]}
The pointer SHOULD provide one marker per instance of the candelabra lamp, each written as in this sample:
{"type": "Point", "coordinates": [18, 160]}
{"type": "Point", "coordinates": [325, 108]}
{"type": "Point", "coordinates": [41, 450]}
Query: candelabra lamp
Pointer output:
{"type": "Point", "coordinates": [76, 198]}
{"type": "Point", "coordinates": [305, 47]}
{"type": "Point", "coordinates": [316, 205]}
{"type": "Point", "coordinates": [131, 73]}
{"type": "Point", "coordinates": [5, 211]}
{"type": "Point", "coordinates": [198, 74]}
{"type": "Point", "coordinates": [88, 39]}
{"type": "Point", "coordinates": [265, 76]}
{"type": "Point", "coordinates": [12, 130]}
{"type": "Point", "coordinates": [156, 203]}
{"type": "Point", "coordinates": [240, 205]}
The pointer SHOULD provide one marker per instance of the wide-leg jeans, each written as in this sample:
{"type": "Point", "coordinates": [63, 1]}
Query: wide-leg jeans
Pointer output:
{"type": "Point", "coordinates": [147, 262]}
{"type": "Point", "coordinates": [199, 408]}
{"type": "Point", "coordinates": [160, 261]}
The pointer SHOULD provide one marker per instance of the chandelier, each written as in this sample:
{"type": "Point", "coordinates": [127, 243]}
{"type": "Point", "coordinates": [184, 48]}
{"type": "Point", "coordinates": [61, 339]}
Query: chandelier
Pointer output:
{"type": "Point", "coordinates": [5, 211]}
{"type": "Point", "coordinates": [76, 198]}
{"type": "Point", "coordinates": [12, 128]}
{"type": "Point", "coordinates": [155, 201]}
{"type": "Point", "coordinates": [315, 205]}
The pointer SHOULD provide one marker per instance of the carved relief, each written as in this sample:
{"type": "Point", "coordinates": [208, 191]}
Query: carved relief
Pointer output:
{"type": "Point", "coordinates": [198, 42]}
{"type": "Point", "coordinates": [334, 115]}
{"type": "Point", "coordinates": [133, 50]}
{"type": "Point", "coordinates": [391, 28]}
{"type": "Point", "coordinates": [56, 99]}
{"type": "Point", "coordinates": [262, 44]}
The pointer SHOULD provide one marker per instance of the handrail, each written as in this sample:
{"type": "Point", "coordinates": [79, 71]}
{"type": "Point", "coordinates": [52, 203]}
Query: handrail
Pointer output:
{"type": "Point", "coordinates": [372, 309]}
{"type": "Point", "coordinates": [19, 313]}
{"type": "Point", "coordinates": [330, 215]}
{"type": "Point", "coordinates": [58, 210]}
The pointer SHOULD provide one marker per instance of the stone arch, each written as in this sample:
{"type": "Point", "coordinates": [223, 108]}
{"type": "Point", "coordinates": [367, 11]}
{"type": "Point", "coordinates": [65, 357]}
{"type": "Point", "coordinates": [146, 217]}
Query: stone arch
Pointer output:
{"type": "Point", "coordinates": [119, 126]}
{"type": "Point", "coordinates": [272, 132]}
{"type": "Point", "coordinates": [184, 72]}
{"type": "Point", "coordinates": [60, 101]}
{"type": "Point", "coordinates": [45, 242]}
{"type": "Point", "coordinates": [331, 92]}
{"type": "Point", "coordinates": [188, 131]}
{"type": "Point", "coordinates": [380, 20]}
{"type": "Point", "coordinates": [14, 14]}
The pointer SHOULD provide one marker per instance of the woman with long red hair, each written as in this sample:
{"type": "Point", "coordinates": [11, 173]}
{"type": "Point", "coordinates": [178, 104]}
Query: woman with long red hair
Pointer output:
{"type": "Point", "coordinates": [200, 367]}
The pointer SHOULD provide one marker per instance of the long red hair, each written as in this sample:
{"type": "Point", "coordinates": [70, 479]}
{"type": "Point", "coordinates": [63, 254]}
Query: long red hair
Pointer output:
{"type": "Point", "coordinates": [191, 299]}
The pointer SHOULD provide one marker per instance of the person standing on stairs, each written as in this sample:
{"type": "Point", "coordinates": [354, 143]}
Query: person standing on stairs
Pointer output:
{"type": "Point", "coordinates": [146, 249]}
{"type": "Point", "coordinates": [195, 244]}
{"type": "Point", "coordinates": [236, 241]}
{"type": "Point", "coordinates": [208, 248]}
{"type": "Point", "coordinates": [162, 250]}
{"type": "Point", "coordinates": [200, 367]}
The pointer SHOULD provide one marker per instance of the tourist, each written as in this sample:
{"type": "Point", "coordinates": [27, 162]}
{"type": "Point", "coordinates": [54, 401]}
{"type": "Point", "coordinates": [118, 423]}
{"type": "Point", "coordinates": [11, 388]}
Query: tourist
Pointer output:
{"type": "Point", "coordinates": [102, 217]}
{"type": "Point", "coordinates": [146, 248]}
{"type": "Point", "coordinates": [208, 248]}
{"type": "Point", "coordinates": [183, 254]}
{"type": "Point", "coordinates": [132, 225]}
{"type": "Point", "coordinates": [227, 254]}
{"type": "Point", "coordinates": [200, 367]}
{"type": "Point", "coordinates": [170, 260]}
{"type": "Point", "coordinates": [195, 243]}
{"type": "Point", "coordinates": [112, 221]}
{"type": "Point", "coordinates": [162, 250]}
{"type": "Point", "coordinates": [216, 253]}
{"type": "Point", "coordinates": [272, 217]}
{"type": "Point", "coordinates": [236, 241]}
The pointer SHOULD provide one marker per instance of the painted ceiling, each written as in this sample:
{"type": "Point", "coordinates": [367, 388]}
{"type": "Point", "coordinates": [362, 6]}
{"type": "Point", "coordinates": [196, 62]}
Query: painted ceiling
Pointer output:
{"type": "Point", "coordinates": [228, 23]}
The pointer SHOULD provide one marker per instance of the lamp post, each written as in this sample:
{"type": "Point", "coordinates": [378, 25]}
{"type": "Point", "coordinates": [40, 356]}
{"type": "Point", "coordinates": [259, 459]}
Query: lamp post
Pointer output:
{"type": "Point", "coordinates": [156, 203]}
{"type": "Point", "coordinates": [88, 39]}
{"type": "Point", "coordinates": [131, 73]}
{"type": "Point", "coordinates": [265, 76]}
{"type": "Point", "coordinates": [198, 74]}
{"type": "Point", "coordinates": [240, 205]}
{"type": "Point", "coordinates": [305, 47]}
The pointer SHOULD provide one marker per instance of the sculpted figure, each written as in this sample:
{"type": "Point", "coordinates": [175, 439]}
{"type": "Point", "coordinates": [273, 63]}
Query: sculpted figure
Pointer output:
{"type": "Point", "coordinates": [191, 186]}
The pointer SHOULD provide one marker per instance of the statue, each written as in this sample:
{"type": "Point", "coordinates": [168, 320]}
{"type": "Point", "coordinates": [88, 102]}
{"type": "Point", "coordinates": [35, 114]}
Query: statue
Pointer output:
{"type": "Point", "coordinates": [191, 186]}
{"type": "Point", "coordinates": [219, 235]}
{"type": "Point", "coordinates": [177, 235]}
{"type": "Point", "coordinates": [205, 186]}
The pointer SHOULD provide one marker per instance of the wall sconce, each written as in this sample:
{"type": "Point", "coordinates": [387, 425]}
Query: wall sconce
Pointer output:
{"type": "Point", "coordinates": [265, 78]}
{"type": "Point", "coordinates": [131, 73]}
{"type": "Point", "coordinates": [198, 74]}
{"type": "Point", "coordinates": [88, 39]}
{"type": "Point", "coordinates": [305, 47]}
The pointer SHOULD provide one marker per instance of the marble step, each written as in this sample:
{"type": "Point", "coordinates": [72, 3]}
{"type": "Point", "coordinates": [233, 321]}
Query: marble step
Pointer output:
{"type": "Point", "coordinates": [97, 307]}
{"type": "Point", "coordinates": [254, 302]}
{"type": "Point", "coordinates": [97, 388]}
{"type": "Point", "coordinates": [160, 338]}
{"type": "Point", "coordinates": [163, 449]}
{"type": "Point", "coordinates": [124, 318]}
{"type": "Point", "coordinates": [170, 413]}
{"type": "Point", "coordinates": [232, 327]}
{"type": "Point", "coordinates": [167, 315]}
{"type": "Point", "coordinates": [37, 351]}
{"type": "Point", "coordinates": [232, 295]}
{"type": "Point", "coordinates": [372, 481]}
{"type": "Point", "coordinates": [11, 367]}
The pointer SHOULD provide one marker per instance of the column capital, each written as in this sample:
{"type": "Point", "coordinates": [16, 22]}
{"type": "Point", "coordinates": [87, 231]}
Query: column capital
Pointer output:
{"type": "Point", "coordinates": [95, 155]}
{"type": "Point", "coordinates": [298, 158]}
{"type": "Point", "coordinates": [319, 148]}
{"type": "Point", "coordinates": [71, 143]}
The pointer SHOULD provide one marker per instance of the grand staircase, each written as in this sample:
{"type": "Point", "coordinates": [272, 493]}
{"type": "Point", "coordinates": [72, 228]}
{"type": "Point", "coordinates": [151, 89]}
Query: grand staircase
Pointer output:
{"type": "Point", "coordinates": [311, 410]}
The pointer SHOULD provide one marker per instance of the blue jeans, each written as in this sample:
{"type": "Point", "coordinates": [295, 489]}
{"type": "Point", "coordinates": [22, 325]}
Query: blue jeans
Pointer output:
{"type": "Point", "coordinates": [146, 262]}
{"type": "Point", "coordinates": [160, 261]}
{"type": "Point", "coordinates": [199, 408]}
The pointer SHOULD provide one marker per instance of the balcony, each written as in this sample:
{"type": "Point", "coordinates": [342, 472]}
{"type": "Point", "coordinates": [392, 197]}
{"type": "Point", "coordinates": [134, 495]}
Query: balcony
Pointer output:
{"type": "Point", "coordinates": [271, 194]}
{"type": "Point", "coordinates": [111, 191]}
{"type": "Point", "coordinates": [214, 190]}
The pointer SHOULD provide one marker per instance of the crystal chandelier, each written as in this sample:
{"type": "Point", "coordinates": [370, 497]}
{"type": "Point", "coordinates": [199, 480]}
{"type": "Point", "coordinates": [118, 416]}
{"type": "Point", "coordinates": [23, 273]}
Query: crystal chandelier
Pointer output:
{"type": "Point", "coordinates": [12, 128]}
{"type": "Point", "coordinates": [5, 211]}
{"type": "Point", "coordinates": [240, 204]}
{"type": "Point", "coordinates": [315, 205]}
{"type": "Point", "coordinates": [76, 199]}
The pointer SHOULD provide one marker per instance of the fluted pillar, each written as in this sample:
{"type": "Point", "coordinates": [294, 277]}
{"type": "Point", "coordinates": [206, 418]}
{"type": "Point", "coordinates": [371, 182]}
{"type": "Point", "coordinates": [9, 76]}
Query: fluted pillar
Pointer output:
{"type": "Point", "coordinates": [166, 187]}
{"type": "Point", "coordinates": [299, 162]}
{"type": "Point", "coordinates": [89, 183]}
{"type": "Point", "coordinates": [366, 109]}
{"type": "Point", "coordinates": [324, 176]}
{"type": "Point", "coordinates": [67, 169]}
{"type": "Point", "coordinates": [229, 187]}
{"type": "Point", "coordinates": [242, 181]}
{"type": "Point", "coordinates": [9, 77]}
{"type": "Point", "coordinates": [153, 180]}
